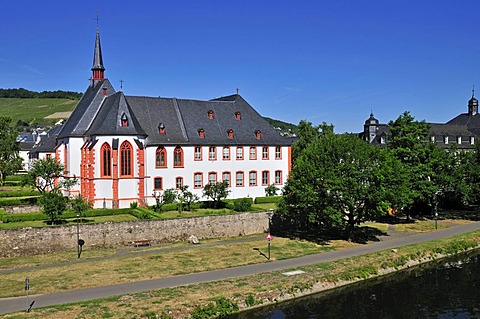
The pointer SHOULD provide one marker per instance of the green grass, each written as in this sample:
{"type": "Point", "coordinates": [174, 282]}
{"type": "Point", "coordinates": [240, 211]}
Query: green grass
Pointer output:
{"type": "Point", "coordinates": [35, 110]}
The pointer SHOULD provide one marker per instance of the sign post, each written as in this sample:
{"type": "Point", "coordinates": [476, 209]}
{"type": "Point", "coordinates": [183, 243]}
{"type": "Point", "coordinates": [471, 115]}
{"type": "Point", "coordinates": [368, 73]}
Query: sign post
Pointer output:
{"type": "Point", "coordinates": [269, 239]}
{"type": "Point", "coordinates": [27, 288]}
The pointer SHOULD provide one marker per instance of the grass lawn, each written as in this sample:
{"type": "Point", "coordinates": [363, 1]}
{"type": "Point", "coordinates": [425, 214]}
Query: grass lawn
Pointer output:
{"type": "Point", "coordinates": [259, 289]}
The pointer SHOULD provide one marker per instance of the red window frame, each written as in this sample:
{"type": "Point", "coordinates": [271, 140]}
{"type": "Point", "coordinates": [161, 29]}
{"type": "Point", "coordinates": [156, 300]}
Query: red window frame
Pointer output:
{"type": "Point", "coordinates": [226, 148]}
{"type": "Point", "coordinates": [239, 148]}
{"type": "Point", "coordinates": [252, 182]}
{"type": "Point", "coordinates": [252, 155]}
{"type": "Point", "coordinates": [195, 180]}
{"type": "Point", "coordinates": [200, 151]}
{"type": "Point", "coordinates": [160, 180]}
{"type": "Point", "coordinates": [229, 180]}
{"type": "Point", "coordinates": [265, 152]}
{"type": "Point", "coordinates": [278, 152]}
{"type": "Point", "coordinates": [178, 157]}
{"type": "Point", "coordinates": [237, 179]}
{"type": "Point", "coordinates": [106, 160]}
{"type": "Point", "coordinates": [265, 178]}
{"type": "Point", "coordinates": [212, 156]}
{"type": "Point", "coordinates": [159, 153]}
{"type": "Point", "coordinates": [278, 177]}
{"type": "Point", "coordinates": [126, 159]}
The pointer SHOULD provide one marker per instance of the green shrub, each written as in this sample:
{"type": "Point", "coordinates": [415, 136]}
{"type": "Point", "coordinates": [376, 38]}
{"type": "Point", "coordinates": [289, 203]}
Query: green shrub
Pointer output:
{"type": "Point", "coordinates": [168, 207]}
{"type": "Point", "coordinates": [141, 213]}
{"type": "Point", "coordinates": [27, 217]}
{"type": "Point", "coordinates": [133, 205]}
{"type": "Point", "coordinates": [7, 201]}
{"type": "Point", "coordinates": [242, 204]}
{"type": "Point", "coordinates": [268, 199]}
{"type": "Point", "coordinates": [24, 193]}
{"type": "Point", "coordinates": [220, 309]}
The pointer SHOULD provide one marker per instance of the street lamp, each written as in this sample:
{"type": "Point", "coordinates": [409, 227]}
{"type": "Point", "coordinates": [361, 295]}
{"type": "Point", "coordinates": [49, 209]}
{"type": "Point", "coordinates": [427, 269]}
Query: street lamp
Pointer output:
{"type": "Point", "coordinates": [436, 207]}
{"type": "Point", "coordinates": [269, 237]}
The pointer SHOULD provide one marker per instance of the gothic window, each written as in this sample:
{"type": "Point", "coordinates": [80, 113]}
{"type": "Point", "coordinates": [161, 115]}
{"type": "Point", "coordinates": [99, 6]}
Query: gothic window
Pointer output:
{"type": "Point", "coordinates": [161, 157]}
{"type": "Point", "coordinates": [178, 157]}
{"type": "Point", "coordinates": [124, 120]}
{"type": "Point", "coordinates": [106, 160]}
{"type": "Point", "coordinates": [126, 159]}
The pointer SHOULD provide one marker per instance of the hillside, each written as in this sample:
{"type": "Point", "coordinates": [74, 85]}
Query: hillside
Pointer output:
{"type": "Point", "coordinates": [43, 110]}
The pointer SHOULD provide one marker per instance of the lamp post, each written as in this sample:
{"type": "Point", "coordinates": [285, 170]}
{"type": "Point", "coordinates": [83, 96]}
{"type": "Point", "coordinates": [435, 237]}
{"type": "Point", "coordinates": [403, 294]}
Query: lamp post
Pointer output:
{"type": "Point", "coordinates": [436, 207]}
{"type": "Point", "coordinates": [269, 237]}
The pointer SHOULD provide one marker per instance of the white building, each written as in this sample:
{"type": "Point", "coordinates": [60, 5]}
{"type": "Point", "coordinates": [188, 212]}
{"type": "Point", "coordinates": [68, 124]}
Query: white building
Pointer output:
{"type": "Point", "coordinates": [124, 148]}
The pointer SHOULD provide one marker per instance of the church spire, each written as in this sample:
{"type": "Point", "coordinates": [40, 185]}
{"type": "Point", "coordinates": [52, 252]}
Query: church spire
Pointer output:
{"type": "Point", "coordinates": [98, 69]}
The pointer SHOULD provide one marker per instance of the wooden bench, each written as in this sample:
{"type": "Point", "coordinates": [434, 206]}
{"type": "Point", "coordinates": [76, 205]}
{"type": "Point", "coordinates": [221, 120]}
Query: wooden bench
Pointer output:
{"type": "Point", "coordinates": [143, 242]}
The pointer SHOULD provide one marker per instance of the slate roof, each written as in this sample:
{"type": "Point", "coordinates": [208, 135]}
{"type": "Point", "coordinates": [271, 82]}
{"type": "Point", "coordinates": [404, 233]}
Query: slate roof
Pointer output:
{"type": "Point", "coordinates": [183, 119]}
{"type": "Point", "coordinates": [472, 122]}
{"type": "Point", "coordinates": [48, 142]}
{"type": "Point", "coordinates": [108, 119]}
{"type": "Point", "coordinates": [86, 110]}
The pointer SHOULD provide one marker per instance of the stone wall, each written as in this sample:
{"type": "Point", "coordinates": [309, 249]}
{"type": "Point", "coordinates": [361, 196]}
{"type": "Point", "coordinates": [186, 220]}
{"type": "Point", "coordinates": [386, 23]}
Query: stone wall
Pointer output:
{"type": "Point", "coordinates": [28, 241]}
{"type": "Point", "coordinates": [21, 209]}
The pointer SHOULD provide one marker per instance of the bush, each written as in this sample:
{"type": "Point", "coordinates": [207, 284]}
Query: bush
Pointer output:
{"type": "Point", "coordinates": [14, 218]}
{"type": "Point", "coordinates": [19, 193]}
{"type": "Point", "coordinates": [268, 199]}
{"type": "Point", "coordinates": [141, 213]}
{"type": "Point", "coordinates": [242, 204]}
{"type": "Point", "coordinates": [6, 201]}
{"type": "Point", "coordinates": [221, 308]}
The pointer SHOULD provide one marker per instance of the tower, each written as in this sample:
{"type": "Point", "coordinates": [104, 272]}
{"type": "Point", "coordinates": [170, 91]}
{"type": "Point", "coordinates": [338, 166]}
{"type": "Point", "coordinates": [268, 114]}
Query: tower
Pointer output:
{"type": "Point", "coordinates": [472, 105]}
{"type": "Point", "coordinates": [98, 69]}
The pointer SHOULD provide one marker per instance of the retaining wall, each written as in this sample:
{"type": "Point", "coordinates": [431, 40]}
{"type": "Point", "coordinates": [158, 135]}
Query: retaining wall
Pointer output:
{"type": "Point", "coordinates": [29, 241]}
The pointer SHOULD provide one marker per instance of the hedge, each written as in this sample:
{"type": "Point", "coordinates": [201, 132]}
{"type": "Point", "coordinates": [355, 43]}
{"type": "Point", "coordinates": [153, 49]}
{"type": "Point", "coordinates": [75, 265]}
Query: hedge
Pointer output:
{"type": "Point", "coordinates": [19, 193]}
{"type": "Point", "coordinates": [268, 199]}
{"type": "Point", "coordinates": [27, 217]}
{"type": "Point", "coordinates": [7, 201]}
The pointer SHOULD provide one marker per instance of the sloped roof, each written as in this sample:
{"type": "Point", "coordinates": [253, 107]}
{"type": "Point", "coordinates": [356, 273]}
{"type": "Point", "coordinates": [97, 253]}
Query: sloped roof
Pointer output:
{"type": "Point", "coordinates": [109, 117]}
{"type": "Point", "coordinates": [86, 110]}
{"type": "Point", "coordinates": [48, 142]}
{"type": "Point", "coordinates": [183, 119]}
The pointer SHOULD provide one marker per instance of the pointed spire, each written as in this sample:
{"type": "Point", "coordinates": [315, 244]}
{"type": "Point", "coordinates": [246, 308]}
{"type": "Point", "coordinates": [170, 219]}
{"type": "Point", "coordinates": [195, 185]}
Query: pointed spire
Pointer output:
{"type": "Point", "coordinates": [98, 68]}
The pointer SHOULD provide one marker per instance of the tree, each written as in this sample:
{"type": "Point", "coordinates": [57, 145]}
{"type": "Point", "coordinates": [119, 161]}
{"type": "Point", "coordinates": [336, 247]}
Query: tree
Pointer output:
{"type": "Point", "coordinates": [54, 204]}
{"type": "Point", "coordinates": [409, 143]}
{"type": "Point", "coordinates": [79, 204]}
{"type": "Point", "coordinates": [43, 175]}
{"type": "Point", "coordinates": [307, 133]}
{"type": "Point", "coordinates": [271, 190]}
{"type": "Point", "coordinates": [337, 182]}
{"type": "Point", "coordinates": [10, 161]}
{"type": "Point", "coordinates": [216, 191]}
{"type": "Point", "coordinates": [169, 196]}
{"type": "Point", "coordinates": [186, 197]}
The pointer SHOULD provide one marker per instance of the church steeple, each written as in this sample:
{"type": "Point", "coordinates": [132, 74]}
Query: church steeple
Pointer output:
{"type": "Point", "coordinates": [98, 69]}
{"type": "Point", "coordinates": [473, 104]}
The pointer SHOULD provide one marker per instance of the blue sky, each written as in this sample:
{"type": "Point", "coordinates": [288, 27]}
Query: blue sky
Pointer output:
{"type": "Point", "coordinates": [329, 60]}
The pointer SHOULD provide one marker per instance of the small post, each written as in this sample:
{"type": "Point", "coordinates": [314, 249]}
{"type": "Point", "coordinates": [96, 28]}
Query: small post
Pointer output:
{"type": "Point", "coordinates": [78, 235]}
{"type": "Point", "coordinates": [27, 288]}
{"type": "Point", "coordinates": [269, 236]}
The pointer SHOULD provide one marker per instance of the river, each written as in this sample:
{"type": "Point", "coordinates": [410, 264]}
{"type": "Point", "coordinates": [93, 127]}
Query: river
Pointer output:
{"type": "Point", "coordinates": [449, 288]}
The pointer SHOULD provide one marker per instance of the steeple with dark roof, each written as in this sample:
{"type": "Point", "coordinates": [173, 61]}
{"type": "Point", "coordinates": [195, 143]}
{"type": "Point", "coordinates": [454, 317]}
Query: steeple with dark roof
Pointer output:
{"type": "Point", "coordinates": [98, 69]}
{"type": "Point", "coordinates": [473, 105]}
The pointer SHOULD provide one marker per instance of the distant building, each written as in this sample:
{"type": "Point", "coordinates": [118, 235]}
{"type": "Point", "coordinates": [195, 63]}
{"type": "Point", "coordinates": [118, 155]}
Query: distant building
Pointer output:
{"type": "Point", "coordinates": [461, 131]}
{"type": "Point", "coordinates": [124, 149]}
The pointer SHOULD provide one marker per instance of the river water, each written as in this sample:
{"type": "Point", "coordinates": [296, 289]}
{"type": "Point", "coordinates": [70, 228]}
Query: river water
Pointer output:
{"type": "Point", "coordinates": [446, 289]}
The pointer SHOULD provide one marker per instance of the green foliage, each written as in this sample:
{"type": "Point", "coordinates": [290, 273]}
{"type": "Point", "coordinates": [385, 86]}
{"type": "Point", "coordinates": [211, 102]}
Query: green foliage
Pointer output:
{"type": "Point", "coordinates": [288, 128]}
{"type": "Point", "coordinates": [79, 205]}
{"type": "Point", "coordinates": [7, 201]}
{"type": "Point", "coordinates": [335, 181]}
{"type": "Point", "coordinates": [53, 204]}
{"type": "Point", "coordinates": [217, 192]}
{"type": "Point", "coordinates": [141, 213]}
{"type": "Point", "coordinates": [26, 94]}
{"type": "Point", "coordinates": [186, 197]}
{"type": "Point", "coordinates": [13, 218]}
{"type": "Point", "coordinates": [10, 161]}
{"type": "Point", "coordinates": [219, 309]}
{"type": "Point", "coordinates": [21, 193]}
{"type": "Point", "coordinates": [43, 173]}
{"type": "Point", "coordinates": [250, 300]}
{"type": "Point", "coordinates": [268, 199]}
{"type": "Point", "coordinates": [271, 190]}
{"type": "Point", "coordinates": [133, 205]}
{"type": "Point", "coordinates": [242, 204]}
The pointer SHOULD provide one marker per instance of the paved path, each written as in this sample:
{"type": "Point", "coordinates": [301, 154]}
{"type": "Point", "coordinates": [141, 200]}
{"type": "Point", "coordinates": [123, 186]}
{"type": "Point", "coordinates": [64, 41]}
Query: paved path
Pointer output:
{"type": "Point", "coordinates": [17, 304]}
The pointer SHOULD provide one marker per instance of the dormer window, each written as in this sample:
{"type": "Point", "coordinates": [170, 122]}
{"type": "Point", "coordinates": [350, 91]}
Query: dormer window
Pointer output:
{"type": "Point", "coordinates": [238, 115]}
{"type": "Point", "coordinates": [230, 133]}
{"type": "Point", "coordinates": [432, 138]}
{"type": "Point", "coordinates": [210, 114]}
{"type": "Point", "coordinates": [382, 139]}
{"type": "Point", "coordinates": [258, 134]}
{"type": "Point", "coordinates": [459, 140]}
{"type": "Point", "coordinates": [472, 140]}
{"type": "Point", "coordinates": [445, 139]}
{"type": "Point", "coordinates": [161, 128]}
{"type": "Point", "coordinates": [124, 120]}
{"type": "Point", "coordinates": [201, 133]}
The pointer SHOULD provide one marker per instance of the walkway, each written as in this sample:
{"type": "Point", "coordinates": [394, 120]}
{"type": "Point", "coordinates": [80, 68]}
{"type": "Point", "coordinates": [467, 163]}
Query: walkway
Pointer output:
{"type": "Point", "coordinates": [18, 304]}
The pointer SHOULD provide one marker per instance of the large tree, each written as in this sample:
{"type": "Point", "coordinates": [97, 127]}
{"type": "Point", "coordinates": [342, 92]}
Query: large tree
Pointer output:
{"type": "Point", "coordinates": [409, 142]}
{"type": "Point", "coordinates": [216, 192]}
{"type": "Point", "coordinates": [336, 181]}
{"type": "Point", "coordinates": [10, 161]}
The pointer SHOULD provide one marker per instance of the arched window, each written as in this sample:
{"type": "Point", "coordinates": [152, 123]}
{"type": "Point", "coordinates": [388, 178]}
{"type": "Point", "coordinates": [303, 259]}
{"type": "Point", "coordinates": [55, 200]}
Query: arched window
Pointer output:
{"type": "Point", "coordinates": [106, 160]}
{"type": "Point", "coordinates": [161, 157]}
{"type": "Point", "coordinates": [126, 159]}
{"type": "Point", "coordinates": [178, 157]}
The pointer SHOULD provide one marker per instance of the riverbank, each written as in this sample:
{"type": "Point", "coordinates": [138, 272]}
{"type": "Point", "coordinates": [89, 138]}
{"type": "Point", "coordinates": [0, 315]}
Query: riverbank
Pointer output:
{"type": "Point", "coordinates": [328, 272]}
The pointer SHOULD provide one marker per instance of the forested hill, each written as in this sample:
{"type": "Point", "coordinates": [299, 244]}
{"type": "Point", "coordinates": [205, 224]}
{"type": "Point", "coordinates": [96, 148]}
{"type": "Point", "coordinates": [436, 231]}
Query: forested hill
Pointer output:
{"type": "Point", "coordinates": [22, 93]}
